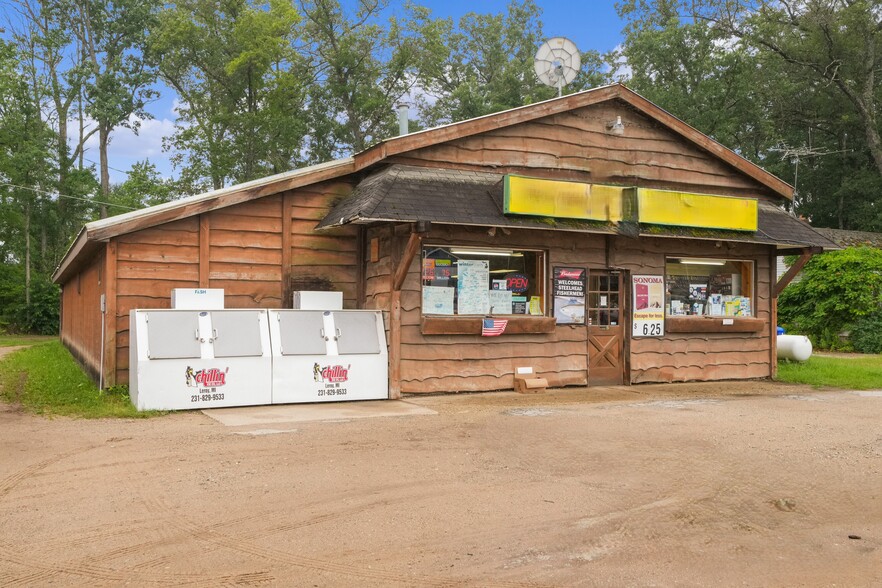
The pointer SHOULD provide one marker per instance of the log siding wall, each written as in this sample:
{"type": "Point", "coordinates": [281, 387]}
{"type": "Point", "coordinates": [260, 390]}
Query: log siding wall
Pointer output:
{"type": "Point", "coordinates": [460, 363]}
{"type": "Point", "coordinates": [150, 263]}
{"type": "Point", "coordinates": [575, 145]}
{"type": "Point", "coordinates": [680, 357]}
{"type": "Point", "coordinates": [81, 315]}
{"type": "Point", "coordinates": [241, 249]}
{"type": "Point", "coordinates": [329, 257]}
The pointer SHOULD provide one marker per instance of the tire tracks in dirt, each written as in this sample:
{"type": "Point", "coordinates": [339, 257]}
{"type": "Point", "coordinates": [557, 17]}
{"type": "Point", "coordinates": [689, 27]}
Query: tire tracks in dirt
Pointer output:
{"type": "Point", "coordinates": [10, 482]}
{"type": "Point", "coordinates": [246, 544]}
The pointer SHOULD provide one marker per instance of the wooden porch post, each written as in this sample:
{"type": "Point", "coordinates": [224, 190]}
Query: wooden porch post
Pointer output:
{"type": "Point", "coordinates": [773, 315]}
{"type": "Point", "coordinates": [410, 250]}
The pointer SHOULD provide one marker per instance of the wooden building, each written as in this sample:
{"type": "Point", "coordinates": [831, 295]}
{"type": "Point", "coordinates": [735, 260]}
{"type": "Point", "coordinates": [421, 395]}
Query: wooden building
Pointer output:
{"type": "Point", "coordinates": [620, 245]}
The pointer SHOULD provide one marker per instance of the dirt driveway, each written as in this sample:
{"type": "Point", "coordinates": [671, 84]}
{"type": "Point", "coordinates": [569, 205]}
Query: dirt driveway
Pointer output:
{"type": "Point", "coordinates": [749, 484]}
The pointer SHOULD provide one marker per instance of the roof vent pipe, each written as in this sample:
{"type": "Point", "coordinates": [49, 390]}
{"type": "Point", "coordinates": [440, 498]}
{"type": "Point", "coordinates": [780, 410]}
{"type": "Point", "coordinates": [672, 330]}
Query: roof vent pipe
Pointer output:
{"type": "Point", "coordinates": [403, 123]}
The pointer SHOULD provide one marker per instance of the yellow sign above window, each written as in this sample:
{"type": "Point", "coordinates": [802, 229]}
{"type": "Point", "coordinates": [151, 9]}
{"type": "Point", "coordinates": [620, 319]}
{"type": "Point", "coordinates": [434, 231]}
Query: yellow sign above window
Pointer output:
{"type": "Point", "coordinates": [558, 199]}
{"type": "Point", "coordinates": [684, 209]}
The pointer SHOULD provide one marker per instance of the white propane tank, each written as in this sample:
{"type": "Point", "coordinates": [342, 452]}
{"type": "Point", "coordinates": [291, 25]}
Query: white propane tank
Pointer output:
{"type": "Point", "coordinates": [795, 347]}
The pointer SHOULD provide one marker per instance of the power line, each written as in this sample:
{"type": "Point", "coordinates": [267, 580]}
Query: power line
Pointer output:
{"type": "Point", "coordinates": [108, 167]}
{"type": "Point", "coordinates": [67, 196]}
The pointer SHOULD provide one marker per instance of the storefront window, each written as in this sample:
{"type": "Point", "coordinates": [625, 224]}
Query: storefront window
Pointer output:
{"type": "Point", "coordinates": [709, 287]}
{"type": "Point", "coordinates": [479, 281]}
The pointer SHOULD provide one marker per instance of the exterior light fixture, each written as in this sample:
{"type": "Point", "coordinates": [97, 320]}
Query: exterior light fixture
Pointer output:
{"type": "Point", "coordinates": [616, 127]}
{"type": "Point", "coordinates": [475, 252]}
{"type": "Point", "coordinates": [702, 262]}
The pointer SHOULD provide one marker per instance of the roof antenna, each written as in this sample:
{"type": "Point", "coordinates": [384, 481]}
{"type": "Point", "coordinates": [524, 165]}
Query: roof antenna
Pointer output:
{"type": "Point", "coordinates": [557, 62]}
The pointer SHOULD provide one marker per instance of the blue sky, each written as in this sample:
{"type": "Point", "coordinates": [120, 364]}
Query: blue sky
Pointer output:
{"type": "Point", "coordinates": [591, 24]}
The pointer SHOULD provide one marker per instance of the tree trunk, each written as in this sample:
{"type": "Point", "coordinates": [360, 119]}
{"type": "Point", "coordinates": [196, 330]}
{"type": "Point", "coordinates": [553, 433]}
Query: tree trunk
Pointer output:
{"type": "Point", "coordinates": [27, 231]}
{"type": "Point", "coordinates": [103, 140]}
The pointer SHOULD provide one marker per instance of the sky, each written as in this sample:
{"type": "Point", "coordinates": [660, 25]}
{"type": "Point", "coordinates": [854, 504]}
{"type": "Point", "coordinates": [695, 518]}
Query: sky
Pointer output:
{"type": "Point", "coordinates": [590, 24]}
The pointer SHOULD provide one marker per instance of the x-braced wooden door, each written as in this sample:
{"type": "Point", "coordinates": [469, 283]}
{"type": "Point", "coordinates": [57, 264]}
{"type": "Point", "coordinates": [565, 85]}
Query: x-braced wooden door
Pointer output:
{"type": "Point", "coordinates": [606, 312]}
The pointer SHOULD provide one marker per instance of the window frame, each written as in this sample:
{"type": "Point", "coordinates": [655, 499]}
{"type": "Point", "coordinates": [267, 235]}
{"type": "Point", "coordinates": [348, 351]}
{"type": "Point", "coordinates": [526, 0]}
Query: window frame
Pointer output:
{"type": "Point", "coordinates": [540, 280]}
{"type": "Point", "coordinates": [705, 314]}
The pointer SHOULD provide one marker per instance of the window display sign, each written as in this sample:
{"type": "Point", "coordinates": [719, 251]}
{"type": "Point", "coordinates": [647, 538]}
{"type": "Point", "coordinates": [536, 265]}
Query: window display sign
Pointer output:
{"type": "Point", "coordinates": [437, 300]}
{"type": "Point", "coordinates": [648, 319]}
{"type": "Point", "coordinates": [472, 293]}
{"type": "Point", "coordinates": [500, 302]}
{"type": "Point", "coordinates": [568, 289]}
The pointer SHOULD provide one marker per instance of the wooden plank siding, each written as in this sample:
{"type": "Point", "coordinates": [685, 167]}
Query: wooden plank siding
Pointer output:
{"type": "Point", "coordinates": [81, 314]}
{"type": "Point", "coordinates": [240, 249]}
{"type": "Point", "coordinates": [575, 145]}
{"type": "Point", "coordinates": [328, 259]}
{"type": "Point", "coordinates": [150, 263]}
{"type": "Point", "coordinates": [245, 253]}
{"type": "Point", "coordinates": [680, 357]}
{"type": "Point", "coordinates": [461, 363]}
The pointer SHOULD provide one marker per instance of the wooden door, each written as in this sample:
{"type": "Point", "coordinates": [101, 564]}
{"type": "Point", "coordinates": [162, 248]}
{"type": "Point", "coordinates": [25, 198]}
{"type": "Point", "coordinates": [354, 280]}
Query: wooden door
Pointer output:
{"type": "Point", "coordinates": [606, 313]}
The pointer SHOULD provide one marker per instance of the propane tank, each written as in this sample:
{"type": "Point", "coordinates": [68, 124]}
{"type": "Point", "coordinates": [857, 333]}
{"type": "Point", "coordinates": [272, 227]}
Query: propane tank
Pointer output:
{"type": "Point", "coordinates": [795, 347]}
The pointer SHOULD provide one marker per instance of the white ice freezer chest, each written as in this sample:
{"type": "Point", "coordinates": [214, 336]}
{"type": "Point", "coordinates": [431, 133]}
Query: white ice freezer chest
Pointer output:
{"type": "Point", "coordinates": [327, 355]}
{"type": "Point", "coordinates": [186, 359]}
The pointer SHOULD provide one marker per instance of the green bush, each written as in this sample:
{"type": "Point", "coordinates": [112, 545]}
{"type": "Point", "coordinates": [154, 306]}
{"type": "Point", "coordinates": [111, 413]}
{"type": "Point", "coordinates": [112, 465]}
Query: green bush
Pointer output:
{"type": "Point", "coordinates": [38, 318]}
{"type": "Point", "coordinates": [866, 336]}
{"type": "Point", "coordinates": [838, 290]}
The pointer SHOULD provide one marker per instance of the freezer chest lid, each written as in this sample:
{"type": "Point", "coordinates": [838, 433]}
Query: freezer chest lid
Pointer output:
{"type": "Point", "coordinates": [302, 333]}
{"type": "Point", "coordinates": [357, 333]}
{"type": "Point", "coordinates": [173, 335]}
{"type": "Point", "coordinates": [236, 333]}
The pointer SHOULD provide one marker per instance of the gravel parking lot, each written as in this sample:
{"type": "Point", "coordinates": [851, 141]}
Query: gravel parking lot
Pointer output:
{"type": "Point", "coordinates": [726, 484]}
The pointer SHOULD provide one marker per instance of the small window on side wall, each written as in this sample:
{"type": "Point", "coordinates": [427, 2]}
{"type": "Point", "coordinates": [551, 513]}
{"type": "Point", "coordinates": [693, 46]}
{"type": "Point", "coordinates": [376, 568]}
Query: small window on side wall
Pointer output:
{"type": "Point", "coordinates": [482, 281]}
{"type": "Point", "coordinates": [709, 287]}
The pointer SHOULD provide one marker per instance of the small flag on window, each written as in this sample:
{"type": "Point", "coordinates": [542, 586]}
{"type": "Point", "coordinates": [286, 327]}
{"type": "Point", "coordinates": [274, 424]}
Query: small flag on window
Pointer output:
{"type": "Point", "coordinates": [493, 327]}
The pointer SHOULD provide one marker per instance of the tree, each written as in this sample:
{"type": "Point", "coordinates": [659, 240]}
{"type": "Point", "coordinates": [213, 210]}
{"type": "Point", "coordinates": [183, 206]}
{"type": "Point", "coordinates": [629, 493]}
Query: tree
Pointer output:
{"type": "Point", "coordinates": [834, 41]}
{"type": "Point", "coordinates": [50, 62]}
{"type": "Point", "coordinates": [143, 187]}
{"type": "Point", "coordinates": [113, 39]}
{"type": "Point", "coordinates": [239, 81]}
{"type": "Point", "coordinates": [361, 68]}
{"type": "Point", "coordinates": [485, 64]}
{"type": "Point", "coordinates": [26, 177]}
{"type": "Point", "coordinates": [790, 85]}
{"type": "Point", "coordinates": [697, 72]}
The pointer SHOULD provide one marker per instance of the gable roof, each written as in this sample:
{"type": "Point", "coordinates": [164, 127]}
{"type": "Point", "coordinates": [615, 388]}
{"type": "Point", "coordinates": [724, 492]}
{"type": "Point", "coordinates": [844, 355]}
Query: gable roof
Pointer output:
{"type": "Point", "coordinates": [104, 229]}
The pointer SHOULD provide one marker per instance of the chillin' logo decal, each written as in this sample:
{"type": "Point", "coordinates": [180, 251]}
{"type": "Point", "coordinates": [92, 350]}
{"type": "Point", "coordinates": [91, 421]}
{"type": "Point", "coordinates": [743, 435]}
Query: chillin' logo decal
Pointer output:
{"type": "Point", "coordinates": [330, 373]}
{"type": "Point", "coordinates": [206, 378]}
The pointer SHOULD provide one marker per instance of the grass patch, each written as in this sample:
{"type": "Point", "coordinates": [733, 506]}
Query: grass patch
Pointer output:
{"type": "Point", "coordinates": [863, 373]}
{"type": "Point", "coordinates": [15, 340]}
{"type": "Point", "coordinates": [45, 379]}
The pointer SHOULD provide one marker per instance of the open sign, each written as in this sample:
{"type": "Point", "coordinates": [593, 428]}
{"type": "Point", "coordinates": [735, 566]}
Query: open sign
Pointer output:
{"type": "Point", "coordinates": [517, 282]}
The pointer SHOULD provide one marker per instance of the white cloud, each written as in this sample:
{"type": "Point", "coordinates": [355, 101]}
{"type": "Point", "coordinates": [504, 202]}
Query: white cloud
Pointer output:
{"type": "Point", "coordinates": [126, 147]}
{"type": "Point", "coordinates": [620, 71]}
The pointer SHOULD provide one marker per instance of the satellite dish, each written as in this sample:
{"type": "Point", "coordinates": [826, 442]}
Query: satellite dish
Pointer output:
{"type": "Point", "coordinates": [557, 63]}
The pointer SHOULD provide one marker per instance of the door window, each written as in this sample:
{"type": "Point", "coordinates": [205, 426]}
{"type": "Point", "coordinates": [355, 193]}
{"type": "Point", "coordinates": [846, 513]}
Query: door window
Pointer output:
{"type": "Point", "coordinates": [603, 299]}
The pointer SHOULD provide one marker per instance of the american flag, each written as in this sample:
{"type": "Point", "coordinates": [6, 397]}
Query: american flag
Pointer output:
{"type": "Point", "coordinates": [493, 327]}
